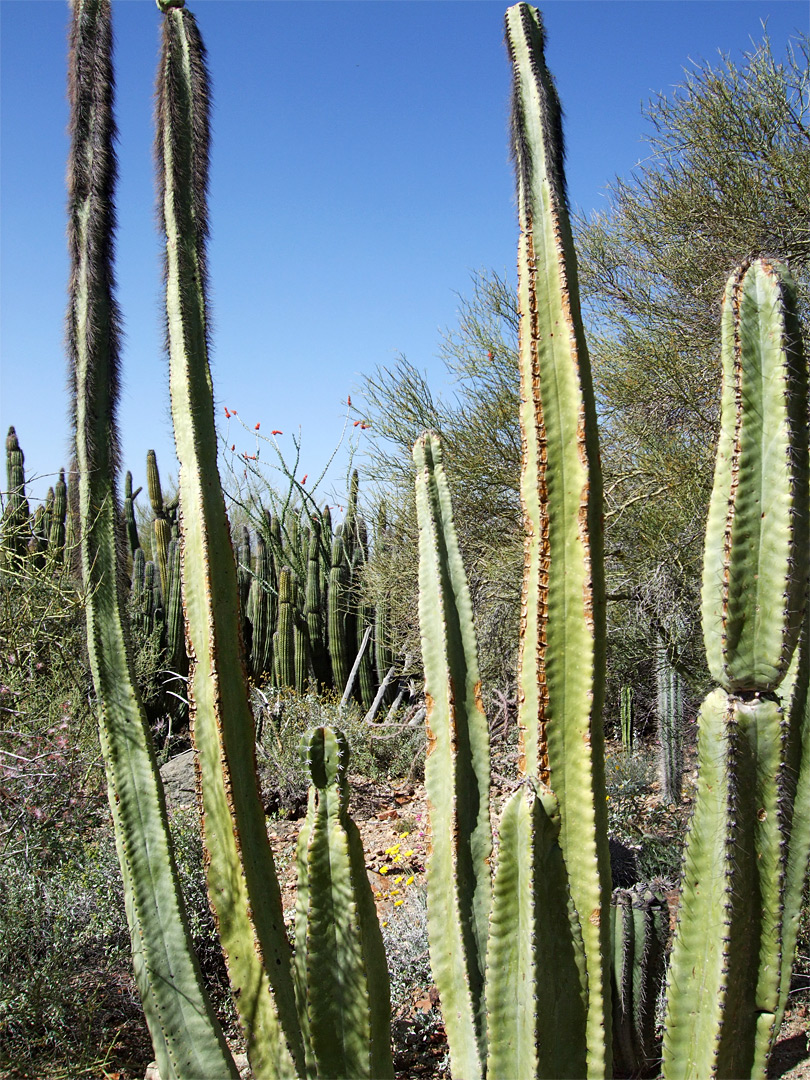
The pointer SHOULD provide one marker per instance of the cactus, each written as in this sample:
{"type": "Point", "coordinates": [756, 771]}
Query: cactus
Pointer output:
{"type": "Point", "coordinates": [626, 711]}
{"type": "Point", "coordinates": [639, 929]}
{"type": "Point", "coordinates": [57, 534]}
{"type": "Point", "coordinates": [284, 637]}
{"type": "Point", "coordinates": [241, 874]}
{"type": "Point", "coordinates": [17, 511]}
{"type": "Point", "coordinates": [338, 608]}
{"type": "Point", "coordinates": [130, 524]}
{"type": "Point", "coordinates": [161, 524]}
{"type": "Point", "coordinates": [261, 612]}
{"type": "Point", "coordinates": [670, 726]}
{"type": "Point", "coordinates": [186, 1036]}
{"type": "Point", "coordinates": [522, 953]}
{"type": "Point", "coordinates": [728, 969]}
{"type": "Point", "coordinates": [561, 674]}
{"type": "Point", "coordinates": [341, 971]}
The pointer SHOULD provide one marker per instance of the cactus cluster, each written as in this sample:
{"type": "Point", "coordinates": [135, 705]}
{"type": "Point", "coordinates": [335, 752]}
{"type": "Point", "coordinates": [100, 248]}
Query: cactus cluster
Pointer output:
{"type": "Point", "coordinates": [524, 943]}
{"type": "Point", "coordinates": [305, 621]}
{"type": "Point", "coordinates": [156, 588]}
{"type": "Point", "coordinates": [746, 858]}
{"type": "Point", "coordinates": [40, 538]}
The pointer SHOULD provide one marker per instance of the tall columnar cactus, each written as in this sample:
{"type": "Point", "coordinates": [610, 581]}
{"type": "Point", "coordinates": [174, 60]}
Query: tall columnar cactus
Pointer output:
{"type": "Point", "coordinates": [626, 711]}
{"type": "Point", "coordinates": [17, 511]}
{"type": "Point", "coordinates": [241, 874]}
{"type": "Point", "coordinates": [261, 611]}
{"type": "Point", "coordinates": [338, 615]}
{"type": "Point", "coordinates": [161, 524]}
{"type": "Point", "coordinates": [186, 1037]}
{"type": "Point", "coordinates": [507, 952]}
{"type": "Point", "coordinates": [670, 726]}
{"type": "Point", "coordinates": [728, 975]}
{"type": "Point", "coordinates": [561, 675]}
{"type": "Point", "coordinates": [456, 773]}
{"type": "Point", "coordinates": [639, 928]}
{"type": "Point", "coordinates": [133, 540]}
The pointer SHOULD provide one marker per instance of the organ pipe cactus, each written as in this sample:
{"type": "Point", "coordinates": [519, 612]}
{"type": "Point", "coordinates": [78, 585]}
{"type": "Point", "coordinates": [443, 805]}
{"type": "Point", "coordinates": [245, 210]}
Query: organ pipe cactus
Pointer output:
{"type": "Point", "coordinates": [186, 1036]}
{"type": "Point", "coordinates": [161, 524]}
{"type": "Point", "coordinates": [626, 711]}
{"type": "Point", "coordinates": [728, 975]}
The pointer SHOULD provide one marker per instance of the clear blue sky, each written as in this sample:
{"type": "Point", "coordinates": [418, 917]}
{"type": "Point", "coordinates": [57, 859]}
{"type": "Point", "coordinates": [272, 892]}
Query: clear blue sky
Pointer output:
{"type": "Point", "coordinates": [360, 173]}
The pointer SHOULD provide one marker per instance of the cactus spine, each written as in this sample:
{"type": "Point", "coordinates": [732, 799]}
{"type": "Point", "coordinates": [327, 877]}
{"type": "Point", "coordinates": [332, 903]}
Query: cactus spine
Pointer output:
{"type": "Point", "coordinates": [728, 970]}
{"type": "Point", "coordinates": [187, 1038]}
{"type": "Point", "coordinates": [561, 675]}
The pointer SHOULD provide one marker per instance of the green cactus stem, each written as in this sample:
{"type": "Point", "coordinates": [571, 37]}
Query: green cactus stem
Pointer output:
{"type": "Point", "coordinates": [130, 524]}
{"type": "Point", "coordinates": [670, 726]}
{"type": "Point", "coordinates": [561, 675]}
{"type": "Point", "coordinates": [241, 875]}
{"type": "Point", "coordinates": [187, 1039]}
{"type": "Point", "coordinates": [639, 926]}
{"type": "Point", "coordinates": [261, 612]}
{"type": "Point", "coordinates": [17, 511]}
{"type": "Point", "coordinates": [796, 705]}
{"type": "Point", "coordinates": [284, 637]}
{"type": "Point", "coordinates": [735, 927]}
{"type": "Point", "coordinates": [758, 512]}
{"type": "Point", "coordinates": [536, 988]}
{"type": "Point", "coordinates": [626, 711]}
{"type": "Point", "coordinates": [341, 969]}
{"type": "Point", "coordinates": [314, 608]}
{"type": "Point", "coordinates": [456, 772]}
{"type": "Point", "coordinates": [338, 611]}
{"type": "Point", "coordinates": [161, 524]}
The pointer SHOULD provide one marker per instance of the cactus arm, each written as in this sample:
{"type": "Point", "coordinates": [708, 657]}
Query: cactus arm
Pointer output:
{"type": "Point", "coordinates": [758, 513]}
{"type": "Point", "coordinates": [342, 972]}
{"type": "Point", "coordinates": [456, 770]}
{"type": "Point", "coordinates": [536, 984]}
{"type": "Point", "coordinates": [241, 875]}
{"type": "Point", "coordinates": [725, 965]}
{"type": "Point", "coordinates": [187, 1039]}
{"type": "Point", "coordinates": [796, 704]}
{"type": "Point", "coordinates": [561, 672]}
{"type": "Point", "coordinates": [756, 539]}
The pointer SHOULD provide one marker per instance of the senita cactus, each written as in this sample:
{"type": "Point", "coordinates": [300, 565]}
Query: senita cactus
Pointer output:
{"type": "Point", "coordinates": [561, 675]}
{"type": "Point", "coordinates": [186, 1037]}
{"type": "Point", "coordinates": [728, 976]}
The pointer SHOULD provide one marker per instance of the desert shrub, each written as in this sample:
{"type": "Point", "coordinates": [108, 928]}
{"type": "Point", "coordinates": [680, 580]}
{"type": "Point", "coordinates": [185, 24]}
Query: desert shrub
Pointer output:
{"type": "Point", "coordinates": [379, 752]}
{"type": "Point", "coordinates": [67, 998]}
